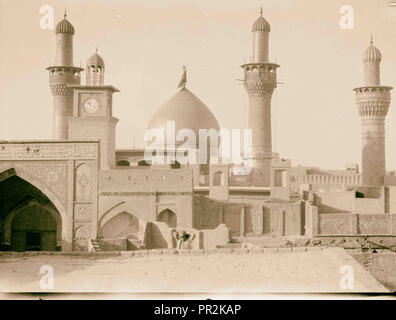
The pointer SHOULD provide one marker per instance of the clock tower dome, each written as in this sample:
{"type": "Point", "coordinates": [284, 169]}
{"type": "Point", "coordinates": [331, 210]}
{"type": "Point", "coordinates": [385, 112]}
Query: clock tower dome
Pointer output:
{"type": "Point", "coordinates": [93, 112]}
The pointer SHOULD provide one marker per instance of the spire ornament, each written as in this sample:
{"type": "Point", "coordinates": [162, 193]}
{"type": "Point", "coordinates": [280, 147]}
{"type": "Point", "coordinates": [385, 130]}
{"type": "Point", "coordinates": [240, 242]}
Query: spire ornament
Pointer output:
{"type": "Point", "coordinates": [183, 80]}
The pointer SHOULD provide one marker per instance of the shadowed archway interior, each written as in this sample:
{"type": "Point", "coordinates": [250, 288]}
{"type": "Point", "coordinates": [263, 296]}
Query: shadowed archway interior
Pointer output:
{"type": "Point", "coordinates": [28, 219]}
{"type": "Point", "coordinates": [169, 217]}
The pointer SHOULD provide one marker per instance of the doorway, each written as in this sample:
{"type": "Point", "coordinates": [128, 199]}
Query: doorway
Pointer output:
{"type": "Point", "coordinates": [33, 241]}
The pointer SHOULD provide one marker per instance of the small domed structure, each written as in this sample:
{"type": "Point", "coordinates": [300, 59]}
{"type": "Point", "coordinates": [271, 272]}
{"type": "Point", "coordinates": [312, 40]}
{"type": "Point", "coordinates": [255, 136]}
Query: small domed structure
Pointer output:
{"type": "Point", "coordinates": [64, 27]}
{"type": "Point", "coordinates": [261, 24]}
{"type": "Point", "coordinates": [187, 111]}
{"type": "Point", "coordinates": [95, 60]}
{"type": "Point", "coordinates": [95, 70]}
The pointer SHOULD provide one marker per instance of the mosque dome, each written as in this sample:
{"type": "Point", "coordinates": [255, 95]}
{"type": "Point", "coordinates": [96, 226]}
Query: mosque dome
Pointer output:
{"type": "Point", "coordinates": [261, 25]}
{"type": "Point", "coordinates": [64, 27]}
{"type": "Point", "coordinates": [188, 112]}
{"type": "Point", "coordinates": [95, 60]}
{"type": "Point", "coordinates": [372, 54]}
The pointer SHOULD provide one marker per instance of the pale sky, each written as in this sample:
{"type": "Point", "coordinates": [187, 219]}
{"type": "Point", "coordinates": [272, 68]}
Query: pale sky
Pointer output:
{"type": "Point", "coordinates": [145, 43]}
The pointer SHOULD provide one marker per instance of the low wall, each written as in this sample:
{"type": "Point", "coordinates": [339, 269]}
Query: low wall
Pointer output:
{"type": "Point", "coordinates": [311, 219]}
{"type": "Point", "coordinates": [334, 202]}
{"type": "Point", "coordinates": [113, 244]}
{"type": "Point", "coordinates": [159, 236]}
{"type": "Point", "coordinates": [347, 223]}
{"type": "Point", "coordinates": [210, 239]}
{"type": "Point", "coordinates": [209, 214]}
{"type": "Point", "coordinates": [357, 224]}
{"type": "Point", "coordinates": [279, 218]}
{"type": "Point", "coordinates": [367, 206]}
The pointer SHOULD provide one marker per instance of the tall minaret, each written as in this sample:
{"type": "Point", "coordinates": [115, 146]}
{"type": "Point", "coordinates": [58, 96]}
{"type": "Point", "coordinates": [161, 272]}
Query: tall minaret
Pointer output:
{"type": "Point", "coordinates": [62, 74]}
{"type": "Point", "coordinates": [373, 102]}
{"type": "Point", "coordinates": [260, 82]}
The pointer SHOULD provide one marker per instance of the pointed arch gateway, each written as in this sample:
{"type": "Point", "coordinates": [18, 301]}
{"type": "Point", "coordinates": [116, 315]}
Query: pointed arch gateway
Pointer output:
{"type": "Point", "coordinates": [122, 221]}
{"type": "Point", "coordinates": [169, 217]}
{"type": "Point", "coordinates": [29, 220]}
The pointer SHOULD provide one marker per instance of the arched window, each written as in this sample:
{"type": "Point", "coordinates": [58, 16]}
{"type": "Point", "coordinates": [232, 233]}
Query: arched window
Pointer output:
{"type": "Point", "coordinates": [218, 179]}
{"type": "Point", "coordinates": [123, 163]}
{"type": "Point", "coordinates": [144, 163]}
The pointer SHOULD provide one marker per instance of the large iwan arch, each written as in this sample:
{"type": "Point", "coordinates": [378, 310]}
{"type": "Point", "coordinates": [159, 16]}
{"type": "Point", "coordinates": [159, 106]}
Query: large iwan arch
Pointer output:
{"type": "Point", "coordinates": [29, 220]}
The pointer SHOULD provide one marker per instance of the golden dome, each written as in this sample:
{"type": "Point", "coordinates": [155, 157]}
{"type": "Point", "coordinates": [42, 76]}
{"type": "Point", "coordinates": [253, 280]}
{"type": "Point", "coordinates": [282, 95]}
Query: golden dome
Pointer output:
{"type": "Point", "coordinates": [187, 111]}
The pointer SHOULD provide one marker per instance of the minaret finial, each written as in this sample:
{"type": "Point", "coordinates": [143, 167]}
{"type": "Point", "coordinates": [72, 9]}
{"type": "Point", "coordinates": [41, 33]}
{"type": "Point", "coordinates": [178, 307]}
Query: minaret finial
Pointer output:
{"type": "Point", "coordinates": [371, 39]}
{"type": "Point", "coordinates": [96, 49]}
{"type": "Point", "coordinates": [261, 11]}
{"type": "Point", "coordinates": [65, 14]}
{"type": "Point", "coordinates": [183, 80]}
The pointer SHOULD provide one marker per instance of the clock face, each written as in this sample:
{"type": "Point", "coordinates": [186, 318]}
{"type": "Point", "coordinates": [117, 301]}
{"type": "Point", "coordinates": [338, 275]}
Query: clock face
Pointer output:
{"type": "Point", "coordinates": [91, 105]}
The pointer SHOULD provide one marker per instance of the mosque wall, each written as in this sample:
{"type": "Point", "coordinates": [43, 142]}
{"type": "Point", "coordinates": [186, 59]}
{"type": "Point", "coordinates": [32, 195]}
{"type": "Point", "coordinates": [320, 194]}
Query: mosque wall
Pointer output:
{"type": "Point", "coordinates": [390, 199]}
{"type": "Point", "coordinates": [207, 212]}
{"type": "Point", "coordinates": [356, 224]}
{"type": "Point", "coordinates": [66, 173]}
{"type": "Point", "coordinates": [146, 194]}
{"type": "Point", "coordinates": [363, 200]}
{"type": "Point", "coordinates": [250, 216]}
{"type": "Point", "coordinates": [146, 180]}
{"type": "Point", "coordinates": [159, 236]}
{"type": "Point", "coordinates": [334, 202]}
{"type": "Point", "coordinates": [273, 218]}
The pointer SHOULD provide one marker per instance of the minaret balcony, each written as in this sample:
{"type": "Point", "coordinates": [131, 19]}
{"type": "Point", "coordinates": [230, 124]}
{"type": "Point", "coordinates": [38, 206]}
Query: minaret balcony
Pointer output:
{"type": "Point", "coordinates": [260, 77]}
{"type": "Point", "coordinates": [62, 75]}
{"type": "Point", "coordinates": [373, 102]}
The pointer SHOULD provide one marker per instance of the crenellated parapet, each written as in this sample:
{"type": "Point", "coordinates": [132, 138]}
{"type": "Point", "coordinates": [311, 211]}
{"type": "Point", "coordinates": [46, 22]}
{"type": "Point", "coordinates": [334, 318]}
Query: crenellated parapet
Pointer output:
{"type": "Point", "coordinates": [260, 78]}
{"type": "Point", "coordinates": [373, 102]}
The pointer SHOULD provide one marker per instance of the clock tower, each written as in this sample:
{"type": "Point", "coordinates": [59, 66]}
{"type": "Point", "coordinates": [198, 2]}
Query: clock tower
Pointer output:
{"type": "Point", "coordinates": [92, 112]}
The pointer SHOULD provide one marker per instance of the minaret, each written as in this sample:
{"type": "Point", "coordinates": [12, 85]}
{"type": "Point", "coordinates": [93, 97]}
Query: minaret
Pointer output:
{"type": "Point", "coordinates": [373, 102]}
{"type": "Point", "coordinates": [62, 74]}
{"type": "Point", "coordinates": [260, 81]}
{"type": "Point", "coordinates": [95, 70]}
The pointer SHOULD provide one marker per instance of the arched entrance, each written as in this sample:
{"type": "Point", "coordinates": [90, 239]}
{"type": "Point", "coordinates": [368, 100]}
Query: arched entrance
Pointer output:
{"type": "Point", "coordinates": [169, 217]}
{"type": "Point", "coordinates": [28, 219]}
{"type": "Point", "coordinates": [33, 228]}
{"type": "Point", "coordinates": [123, 225]}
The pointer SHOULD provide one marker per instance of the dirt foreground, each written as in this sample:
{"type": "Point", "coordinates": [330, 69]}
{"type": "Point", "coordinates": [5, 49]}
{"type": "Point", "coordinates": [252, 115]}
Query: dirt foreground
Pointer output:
{"type": "Point", "coordinates": [300, 270]}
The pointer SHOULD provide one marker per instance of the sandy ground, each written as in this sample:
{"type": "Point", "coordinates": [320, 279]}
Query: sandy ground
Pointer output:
{"type": "Point", "coordinates": [285, 271]}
